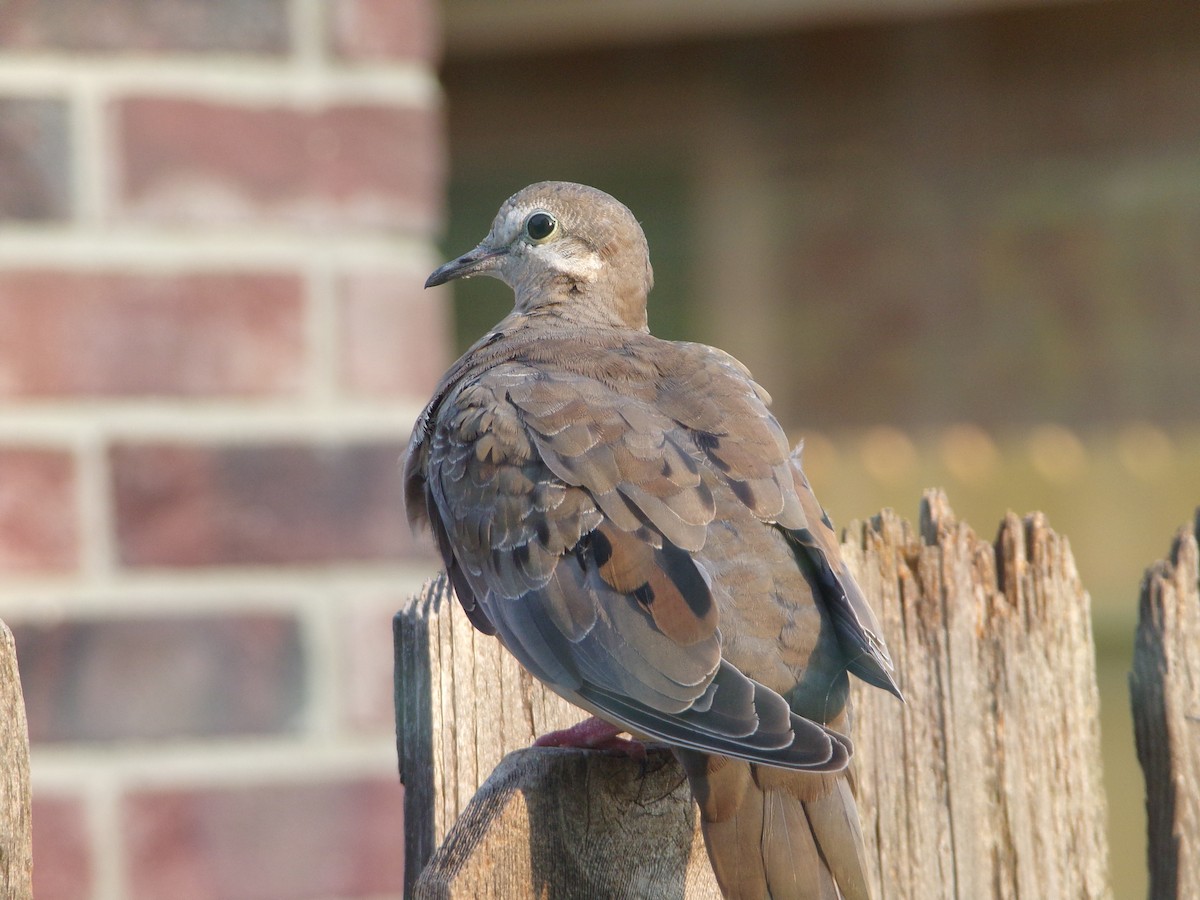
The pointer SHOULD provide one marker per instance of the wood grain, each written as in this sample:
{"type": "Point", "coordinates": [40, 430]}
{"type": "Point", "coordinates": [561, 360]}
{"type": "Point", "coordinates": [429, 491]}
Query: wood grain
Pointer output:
{"type": "Point", "coordinates": [988, 782]}
{"type": "Point", "coordinates": [1165, 689]}
{"type": "Point", "coordinates": [16, 838]}
{"type": "Point", "coordinates": [454, 728]}
{"type": "Point", "coordinates": [536, 828]}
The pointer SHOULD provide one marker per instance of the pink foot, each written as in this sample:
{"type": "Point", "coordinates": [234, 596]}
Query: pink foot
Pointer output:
{"type": "Point", "coordinates": [594, 734]}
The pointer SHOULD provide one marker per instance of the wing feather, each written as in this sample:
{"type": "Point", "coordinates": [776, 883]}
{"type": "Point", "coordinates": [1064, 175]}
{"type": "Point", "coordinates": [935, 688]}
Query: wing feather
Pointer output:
{"type": "Point", "coordinates": [568, 512]}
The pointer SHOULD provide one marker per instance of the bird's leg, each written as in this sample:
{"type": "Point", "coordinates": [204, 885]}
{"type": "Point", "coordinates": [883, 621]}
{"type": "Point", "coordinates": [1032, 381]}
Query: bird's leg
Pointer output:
{"type": "Point", "coordinates": [594, 734]}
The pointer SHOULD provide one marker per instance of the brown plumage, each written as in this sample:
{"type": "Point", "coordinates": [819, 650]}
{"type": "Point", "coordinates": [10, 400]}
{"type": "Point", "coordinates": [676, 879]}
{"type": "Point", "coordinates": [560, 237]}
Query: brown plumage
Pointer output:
{"type": "Point", "coordinates": [625, 515]}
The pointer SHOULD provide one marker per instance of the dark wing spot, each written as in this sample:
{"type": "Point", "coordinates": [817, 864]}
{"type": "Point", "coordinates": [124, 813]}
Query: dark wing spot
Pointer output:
{"type": "Point", "coordinates": [644, 595]}
{"type": "Point", "coordinates": [744, 492]}
{"type": "Point", "coordinates": [683, 572]}
{"type": "Point", "coordinates": [601, 549]}
{"type": "Point", "coordinates": [710, 444]}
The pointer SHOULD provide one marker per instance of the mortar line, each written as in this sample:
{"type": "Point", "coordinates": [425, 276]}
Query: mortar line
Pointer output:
{"type": "Point", "coordinates": [89, 154]}
{"type": "Point", "coordinates": [260, 590]}
{"type": "Point", "coordinates": [212, 423]}
{"type": "Point", "coordinates": [95, 514]}
{"type": "Point", "coordinates": [103, 817]}
{"type": "Point", "coordinates": [307, 23]}
{"type": "Point", "coordinates": [200, 762]}
{"type": "Point", "coordinates": [248, 80]}
{"type": "Point", "coordinates": [319, 629]}
{"type": "Point", "coordinates": [145, 249]}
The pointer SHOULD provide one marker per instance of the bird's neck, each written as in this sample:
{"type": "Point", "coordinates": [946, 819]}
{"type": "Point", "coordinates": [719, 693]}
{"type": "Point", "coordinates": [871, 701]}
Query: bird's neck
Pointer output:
{"type": "Point", "coordinates": [590, 305]}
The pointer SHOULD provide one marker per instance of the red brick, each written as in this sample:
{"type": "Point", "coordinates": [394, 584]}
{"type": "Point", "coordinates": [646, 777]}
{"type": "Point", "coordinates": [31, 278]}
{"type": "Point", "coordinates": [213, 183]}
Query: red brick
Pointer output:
{"type": "Point", "coordinates": [62, 856]}
{"type": "Point", "coordinates": [273, 842]}
{"type": "Point", "coordinates": [113, 334]}
{"type": "Point", "coordinates": [180, 505]}
{"type": "Point", "coordinates": [395, 336]}
{"type": "Point", "coordinates": [39, 531]}
{"type": "Point", "coordinates": [248, 26]}
{"type": "Point", "coordinates": [152, 678]}
{"type": "Point", "coordinates": [194, 161]}
{"type": "Point", "coordinates": [365, 639]}
{"type": "Point", "coordinates": [35, 159]}
{"type": "Point", "coordinates": [379, 30]}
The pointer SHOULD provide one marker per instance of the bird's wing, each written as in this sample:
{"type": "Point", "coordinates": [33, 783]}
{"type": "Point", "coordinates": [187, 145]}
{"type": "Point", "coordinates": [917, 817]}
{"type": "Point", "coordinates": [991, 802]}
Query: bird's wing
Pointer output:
{"type": "Point", "coordinates": [713, 397]}
{"type": "Point", "coordinates": [718, 398]}
{"type": "Point", "coordinates": [854, 621]}
{"type": "Point", "coordinates": [569, 508]}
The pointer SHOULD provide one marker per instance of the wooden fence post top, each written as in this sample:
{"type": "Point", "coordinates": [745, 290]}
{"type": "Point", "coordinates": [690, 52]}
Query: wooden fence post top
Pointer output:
{"type": "Point", "coordinates": [16, 837]}
{"type": "Point", "coordinates": [1165, 693]}
{"type": "Point", "coordinates": [566, 823]}
{"type": "Point", "coordinates": [986, 783]}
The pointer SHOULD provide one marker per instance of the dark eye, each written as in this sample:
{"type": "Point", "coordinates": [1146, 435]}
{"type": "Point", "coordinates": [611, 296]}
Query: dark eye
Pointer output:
{"type": "Point", "coordinates": [540, 226]}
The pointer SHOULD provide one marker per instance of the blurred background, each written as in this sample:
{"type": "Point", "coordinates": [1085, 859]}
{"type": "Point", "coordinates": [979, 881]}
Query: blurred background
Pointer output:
{"type": "Point", "coordinates": [959, 242]}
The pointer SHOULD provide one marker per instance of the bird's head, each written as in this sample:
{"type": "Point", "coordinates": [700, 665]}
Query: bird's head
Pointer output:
{"type": "Point", "coordinates": [566, 247]}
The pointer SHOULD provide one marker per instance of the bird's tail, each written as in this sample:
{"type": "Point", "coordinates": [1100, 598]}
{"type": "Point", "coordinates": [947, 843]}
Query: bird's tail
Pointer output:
{"type": "Point", "coordinates": [776, 833]}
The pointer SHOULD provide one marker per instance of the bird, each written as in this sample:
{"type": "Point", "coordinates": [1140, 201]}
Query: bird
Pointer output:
{"type": "Point", "coordinates": [626, 515]}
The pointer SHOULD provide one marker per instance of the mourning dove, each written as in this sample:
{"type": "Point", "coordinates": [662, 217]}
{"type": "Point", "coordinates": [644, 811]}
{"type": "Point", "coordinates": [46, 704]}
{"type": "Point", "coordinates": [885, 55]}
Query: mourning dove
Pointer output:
{"type": "Point", "coordinates": [624, 514]}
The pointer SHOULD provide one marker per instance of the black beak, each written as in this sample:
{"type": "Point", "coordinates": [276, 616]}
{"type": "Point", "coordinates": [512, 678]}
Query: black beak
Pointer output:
{"type": "Point", "coordinates": [475, 262]}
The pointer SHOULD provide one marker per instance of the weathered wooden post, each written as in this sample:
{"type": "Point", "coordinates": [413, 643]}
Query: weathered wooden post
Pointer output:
{"type": "Point", "coordinates": [16, 838]}
{"type": "Point", "coordinates": [986, 784]}
{"type": "Point", "coordinates": [1165, 688]}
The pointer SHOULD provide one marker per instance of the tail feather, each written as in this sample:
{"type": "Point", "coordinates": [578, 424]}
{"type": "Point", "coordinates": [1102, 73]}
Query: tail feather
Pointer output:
{"type": "Point", "coordinates": [774, 834]}
{"type": "Point", "coordinates": [791, 855]}
{"type": "Point", "coordinates": [834, 820]}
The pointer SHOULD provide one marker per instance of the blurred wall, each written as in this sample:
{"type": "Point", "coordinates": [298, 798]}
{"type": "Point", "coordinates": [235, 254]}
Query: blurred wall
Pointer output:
{"type": "Point", "coordinates": [215, 219]}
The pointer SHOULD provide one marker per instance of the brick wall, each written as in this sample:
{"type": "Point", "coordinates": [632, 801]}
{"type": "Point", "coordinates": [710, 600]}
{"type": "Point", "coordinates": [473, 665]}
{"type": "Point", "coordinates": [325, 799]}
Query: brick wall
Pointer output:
{"type": "Point", "coordinates": [215, 220]}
